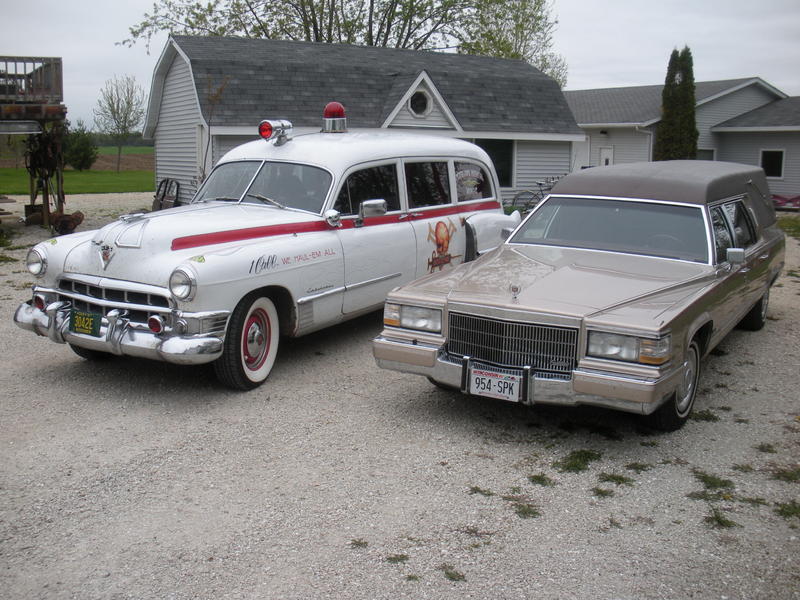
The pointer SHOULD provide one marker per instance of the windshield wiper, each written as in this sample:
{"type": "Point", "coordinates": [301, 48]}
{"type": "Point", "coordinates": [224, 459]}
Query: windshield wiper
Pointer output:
{"type": "Point", "coordinates": [267, 200]}
{"type": "Point", "coordinates": [219, 199]}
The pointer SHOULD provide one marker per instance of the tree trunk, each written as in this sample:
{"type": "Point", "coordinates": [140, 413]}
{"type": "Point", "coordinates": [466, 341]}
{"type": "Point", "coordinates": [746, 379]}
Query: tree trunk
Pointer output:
{"type": "Point", "coordinates": [119, 157]}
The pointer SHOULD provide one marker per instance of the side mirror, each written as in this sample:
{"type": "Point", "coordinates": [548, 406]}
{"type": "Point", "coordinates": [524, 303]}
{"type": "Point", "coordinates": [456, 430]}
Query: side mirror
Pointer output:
{"type": "Point", "coordinates": [506, 232]}
{"type": "Point", "coordinates": [371, 208]}
{"type": "Point", "coordinates": [333, 218]}
{"type": "Point", "coordinates": [735, 256]}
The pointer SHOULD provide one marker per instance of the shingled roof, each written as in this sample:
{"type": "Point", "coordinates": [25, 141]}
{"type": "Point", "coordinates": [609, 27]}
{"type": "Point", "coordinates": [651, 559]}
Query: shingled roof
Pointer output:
{"type": "Point", "coordinates": [781, 115]}
{"type": "Point", "coordinates": [294, 80]}
{"type": "Point", "coordinates": [641, 105]}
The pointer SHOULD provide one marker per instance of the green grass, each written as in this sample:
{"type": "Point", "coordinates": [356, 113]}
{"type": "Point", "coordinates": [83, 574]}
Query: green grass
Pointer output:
{"type": "Point", "coordinates": [112, 150]}
{"type": "Point", "coordinates": [704, 415]}
{"type": "Point", "coordinates": [397, 559]}
{"type": "Point", "coordinates": [615, 478]}
{"type": "Point", "coordinates": [791, 225]}
{"type": "Point", "coordinates": [602, 492]}
{"type": "Point", "coordinates": [451, 573]}
{"type": "Point", "coordinates": [577, 461]}
{"type": "Point", "coordinates": [788, 510]}
{"type": "Point", "coordinates": [15, 181]}
{"type": "Point", "coordinates": [712, 482]}
{"type": "Point", "coordinates": [638, 467]}
{"type": "Point", "coordinates": [719, 521]}
{"type": "Point", "coordinates": [541, 479]}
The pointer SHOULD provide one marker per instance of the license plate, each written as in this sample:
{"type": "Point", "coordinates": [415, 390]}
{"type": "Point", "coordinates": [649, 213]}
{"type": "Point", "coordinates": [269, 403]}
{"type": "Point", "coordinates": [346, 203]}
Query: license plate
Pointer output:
{"type": "Point", "coordinates": [87, 323]}
{"type": "Point", "coordinates": [494, 384]}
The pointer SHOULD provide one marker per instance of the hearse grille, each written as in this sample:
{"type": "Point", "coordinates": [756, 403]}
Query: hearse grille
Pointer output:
{"type": "Point", "coordinates": [550, 351]}
{"type": "Point", "coordinates": [139, 304]}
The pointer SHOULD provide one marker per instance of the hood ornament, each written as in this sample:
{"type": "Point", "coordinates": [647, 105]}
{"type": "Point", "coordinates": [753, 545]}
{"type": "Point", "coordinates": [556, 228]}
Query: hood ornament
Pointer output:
{"type": "Point", "coordinates": [515, 290]}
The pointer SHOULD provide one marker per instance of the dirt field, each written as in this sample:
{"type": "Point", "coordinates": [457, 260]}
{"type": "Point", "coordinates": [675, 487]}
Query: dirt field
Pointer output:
{"type": "Point", "coordinates": [104, 162]}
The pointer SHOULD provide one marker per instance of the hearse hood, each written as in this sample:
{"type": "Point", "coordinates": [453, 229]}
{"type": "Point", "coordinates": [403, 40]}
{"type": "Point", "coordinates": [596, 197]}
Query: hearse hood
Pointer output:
{"type": "Point", "coordinates": [146, 247]}
{"type": "Point", "coordinates": [571, 282]}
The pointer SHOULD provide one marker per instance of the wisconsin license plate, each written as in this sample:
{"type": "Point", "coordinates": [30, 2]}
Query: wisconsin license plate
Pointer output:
{"type": "Point", "coordinates": [494, 384]}
{"type": "Point", "coordinates": [87, 323]}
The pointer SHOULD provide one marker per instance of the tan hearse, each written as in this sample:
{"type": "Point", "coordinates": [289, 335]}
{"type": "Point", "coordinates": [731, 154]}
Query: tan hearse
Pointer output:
{"type": "Point", "coordinates": [609, 293]}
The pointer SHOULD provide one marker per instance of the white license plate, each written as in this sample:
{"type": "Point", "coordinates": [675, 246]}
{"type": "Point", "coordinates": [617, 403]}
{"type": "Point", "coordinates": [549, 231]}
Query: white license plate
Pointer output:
{"type": "Point", "coordinates": [494, 384]}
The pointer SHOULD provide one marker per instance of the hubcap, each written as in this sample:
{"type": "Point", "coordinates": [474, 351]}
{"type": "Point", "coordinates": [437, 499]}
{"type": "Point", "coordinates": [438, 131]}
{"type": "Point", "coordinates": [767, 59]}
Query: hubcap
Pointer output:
{"type": "Point", "coordinates": [689, 376]}
{"type": "Point", "coordinates": [764, 306]}
{"type": "Point", "coordinates": [255, 341]}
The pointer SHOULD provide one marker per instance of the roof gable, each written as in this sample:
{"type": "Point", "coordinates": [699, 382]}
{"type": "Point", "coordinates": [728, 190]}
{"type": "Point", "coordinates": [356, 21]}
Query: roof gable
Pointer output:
{"type": "Point", "coordinates": [423, 83]}
{"type": "Point", "coordinates": [259, 79]}
{"type": "Point", "coordinates": [641, 105]}
{"type": "Point", "coordinates": [781, 115]}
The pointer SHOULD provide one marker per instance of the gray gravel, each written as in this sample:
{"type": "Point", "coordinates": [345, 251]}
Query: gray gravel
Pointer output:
{"type": "Point", "coordinates": [135, 479]}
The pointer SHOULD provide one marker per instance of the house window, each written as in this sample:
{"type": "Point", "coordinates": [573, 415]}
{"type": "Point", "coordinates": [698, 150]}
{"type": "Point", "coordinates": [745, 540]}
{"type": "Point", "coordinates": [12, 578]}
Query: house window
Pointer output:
{"type": "Point", "coordinates": [420, 104]}
{"type": "Point", "coordinates": [705, 154]}
{"type": "Point", "coordinates": [502, 154]}
{"type": "Point", "coordinates": [772, 162]}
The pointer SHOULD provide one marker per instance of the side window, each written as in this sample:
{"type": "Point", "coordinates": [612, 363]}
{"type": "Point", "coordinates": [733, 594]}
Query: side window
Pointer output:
{"type": "Point", "coordinates": [472, 182]}
{"type": "Point", "coordinates": [722, 234]}
{"type": "Point", "coordinates": [371, 183]}
{"type": "Point", "coordinates": [427, 184]}
{"type": "Point", "coordinates": [743, 235]}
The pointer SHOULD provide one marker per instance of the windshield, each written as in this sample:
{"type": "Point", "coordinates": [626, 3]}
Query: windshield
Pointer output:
{"type": "Point", "coordinates": [280, 185]}
{"type": "Point", "coordinates": [636, 227]}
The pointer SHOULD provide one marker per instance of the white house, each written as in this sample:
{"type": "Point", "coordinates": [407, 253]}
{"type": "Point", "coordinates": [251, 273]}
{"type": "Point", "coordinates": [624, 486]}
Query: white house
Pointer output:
{"type": "Point", "coordinates": [208, 95]}
{"type": "Point", "coordinates": [740, 120]}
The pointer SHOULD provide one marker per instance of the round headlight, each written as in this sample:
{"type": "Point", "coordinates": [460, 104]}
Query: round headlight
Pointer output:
{"type": "Point", "coordinates": [36, 262]}
{"type": "Point", "coordinates": [182, 284]}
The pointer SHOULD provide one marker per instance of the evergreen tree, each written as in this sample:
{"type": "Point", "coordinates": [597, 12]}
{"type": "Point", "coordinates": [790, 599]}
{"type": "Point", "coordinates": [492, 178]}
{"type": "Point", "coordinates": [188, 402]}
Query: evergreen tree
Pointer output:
{"type": "Point", "coordinates": [80, 151]}
{"type": "Point", "coordinates": [676, 133]}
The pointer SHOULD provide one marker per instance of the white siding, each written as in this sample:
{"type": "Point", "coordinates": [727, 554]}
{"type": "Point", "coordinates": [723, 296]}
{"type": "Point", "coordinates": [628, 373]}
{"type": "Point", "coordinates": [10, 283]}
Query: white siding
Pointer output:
{"type": "Point", "coordinates": [436, 118]}
{"type": "Point", "coordinates": [176, 136]}
{"type": "Point", "coordinates": [746, 148]}
{"type": "Point", "coordinates": [536, 161]}
{"type": "Point", "coordinates": [225, 143]}
{"type": "Point", "coordinates": [731, 105]}
{"type": "Point", "coordinates": [628, 146]}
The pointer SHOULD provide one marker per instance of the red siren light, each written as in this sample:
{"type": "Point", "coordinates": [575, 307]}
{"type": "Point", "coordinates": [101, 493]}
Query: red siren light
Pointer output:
{"type": "Point", "coordinates": [333, 118]}
{"type": "Point", "coordinates": [333, 110]}
{"type": "Point", "coordinates": [265, 129]}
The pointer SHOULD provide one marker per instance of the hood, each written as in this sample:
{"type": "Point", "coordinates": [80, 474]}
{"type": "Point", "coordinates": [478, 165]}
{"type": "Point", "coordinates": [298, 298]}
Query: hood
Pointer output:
{"type": "Point", "coordinates": [139, 247]}
{"type": "Point", "coordinates": [570, 282]}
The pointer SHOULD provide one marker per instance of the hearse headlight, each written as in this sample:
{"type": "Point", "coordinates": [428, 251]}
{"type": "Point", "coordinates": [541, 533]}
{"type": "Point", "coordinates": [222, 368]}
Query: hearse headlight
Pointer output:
{"type": "Point", "coordinates": [412, 317]}
{"type": "Point", "coordinates": [629, 348]}
{"type": "Point", "coordinates": [182, 284]}
{"type": "Point", "coordinates": [36, 262]}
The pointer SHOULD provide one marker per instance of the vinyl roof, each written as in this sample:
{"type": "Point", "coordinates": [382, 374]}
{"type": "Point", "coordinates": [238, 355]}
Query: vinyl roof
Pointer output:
{"type": "Point", "coordinates": [692, 181]}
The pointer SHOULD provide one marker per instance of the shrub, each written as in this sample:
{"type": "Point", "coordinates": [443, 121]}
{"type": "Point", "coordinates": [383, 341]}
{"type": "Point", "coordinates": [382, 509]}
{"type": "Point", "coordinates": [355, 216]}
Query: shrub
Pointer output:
{"type": "Point", "coordinates": [80, 151]}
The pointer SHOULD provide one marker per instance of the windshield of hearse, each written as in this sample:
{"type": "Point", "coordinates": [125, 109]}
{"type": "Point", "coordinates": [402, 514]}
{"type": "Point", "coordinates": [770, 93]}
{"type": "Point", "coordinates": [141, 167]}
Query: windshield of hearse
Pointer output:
{"type": "Point", "coordinates": [629, 226]}
{"type": "Point", "coordinates": [269, 183]}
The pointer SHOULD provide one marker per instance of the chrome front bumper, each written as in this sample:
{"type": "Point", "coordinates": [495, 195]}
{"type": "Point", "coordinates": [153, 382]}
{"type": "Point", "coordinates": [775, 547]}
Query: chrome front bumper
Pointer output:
{"type": "Point", "coordinates": [607, 390]}
{"type": "Point", "coordinates": [118, 336]}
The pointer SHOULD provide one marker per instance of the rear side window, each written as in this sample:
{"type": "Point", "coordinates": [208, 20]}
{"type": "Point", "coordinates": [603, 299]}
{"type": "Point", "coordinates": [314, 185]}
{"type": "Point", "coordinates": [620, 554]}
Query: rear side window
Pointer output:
{"type": "Point", "coordinates": [743, 235]}
{"type": "Point", "coordinates": [372, 183]}
{"type": "Point", "coordinates": [427, 183]}
{"type": "Point", "coordinates": [472, 182]}
{"type": "Point", "coordinates": [723, 239]}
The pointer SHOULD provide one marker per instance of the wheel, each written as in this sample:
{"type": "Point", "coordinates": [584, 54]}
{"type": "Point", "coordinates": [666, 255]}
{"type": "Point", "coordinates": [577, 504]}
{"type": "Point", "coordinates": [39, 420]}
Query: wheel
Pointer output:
{"type": "Point", "coordinates": [757, 317]}
{"type": "Point", "coordinates": [251, 344]}
{"type": "Point", "coordinates": [87, 354]}
{"type": "Point", "coordinates": [672, 415]}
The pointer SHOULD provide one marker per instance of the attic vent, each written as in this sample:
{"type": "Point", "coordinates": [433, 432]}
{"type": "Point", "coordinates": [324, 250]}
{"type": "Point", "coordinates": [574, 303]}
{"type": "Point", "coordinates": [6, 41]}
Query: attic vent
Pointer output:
{"type": "Point", "coordinates": [420, 104]}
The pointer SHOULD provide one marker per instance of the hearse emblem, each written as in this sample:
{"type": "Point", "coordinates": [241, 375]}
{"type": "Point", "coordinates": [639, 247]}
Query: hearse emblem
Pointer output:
{"type": "Point", "coordinates": [515, 290]}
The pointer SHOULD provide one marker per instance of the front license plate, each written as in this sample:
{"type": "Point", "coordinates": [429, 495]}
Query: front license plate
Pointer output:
{"type": "Point", "coordinates": [494, 384]}
{"type": "Point", "coordinates": [87, 323]}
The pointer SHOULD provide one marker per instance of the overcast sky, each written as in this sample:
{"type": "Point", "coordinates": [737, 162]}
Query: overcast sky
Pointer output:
{"type": "Point", "coordinates": [606, 44]}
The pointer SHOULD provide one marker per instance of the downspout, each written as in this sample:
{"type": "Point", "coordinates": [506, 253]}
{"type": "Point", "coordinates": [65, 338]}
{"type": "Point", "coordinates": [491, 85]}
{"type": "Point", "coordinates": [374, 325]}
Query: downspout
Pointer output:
{"type": "Point", "coordinates": [649, 134]}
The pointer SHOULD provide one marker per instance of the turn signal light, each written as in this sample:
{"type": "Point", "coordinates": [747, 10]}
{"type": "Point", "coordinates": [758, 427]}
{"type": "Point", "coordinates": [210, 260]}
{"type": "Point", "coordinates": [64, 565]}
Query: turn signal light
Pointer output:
{"type": "Point", "coordinates": [38, 302]}
{"type": "Point", "coordinates": [156, 324]}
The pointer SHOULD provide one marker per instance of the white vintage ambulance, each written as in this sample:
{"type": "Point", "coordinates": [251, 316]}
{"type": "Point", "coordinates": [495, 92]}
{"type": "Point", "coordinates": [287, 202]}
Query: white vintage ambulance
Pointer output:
{"type": "Point", "coordinates": [285, 237]}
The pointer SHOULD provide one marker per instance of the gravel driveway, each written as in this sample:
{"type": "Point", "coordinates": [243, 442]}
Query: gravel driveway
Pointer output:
{"type": "Point", "coordinates": [136, 479]}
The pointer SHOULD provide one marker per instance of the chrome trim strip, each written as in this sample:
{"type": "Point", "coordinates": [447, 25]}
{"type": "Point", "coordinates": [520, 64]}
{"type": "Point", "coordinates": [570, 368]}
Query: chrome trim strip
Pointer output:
{"type": "Point", "coordinates": [306, 299]}
{"type": "Point", "coordinates": [512, 315]}
{"type": "Point", "coordinates": [355, 286]}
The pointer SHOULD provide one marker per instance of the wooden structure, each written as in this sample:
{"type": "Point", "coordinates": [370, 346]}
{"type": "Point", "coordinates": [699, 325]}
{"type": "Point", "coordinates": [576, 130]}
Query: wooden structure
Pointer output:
{"type": "Point", "coordinates": [31, 103]}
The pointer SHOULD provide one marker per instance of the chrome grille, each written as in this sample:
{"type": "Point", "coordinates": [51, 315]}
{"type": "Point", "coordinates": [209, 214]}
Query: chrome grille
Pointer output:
{"type": "Point", "coordinates": [140, 304]}
{"type": "Point", "coordinates": [550, 351]}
